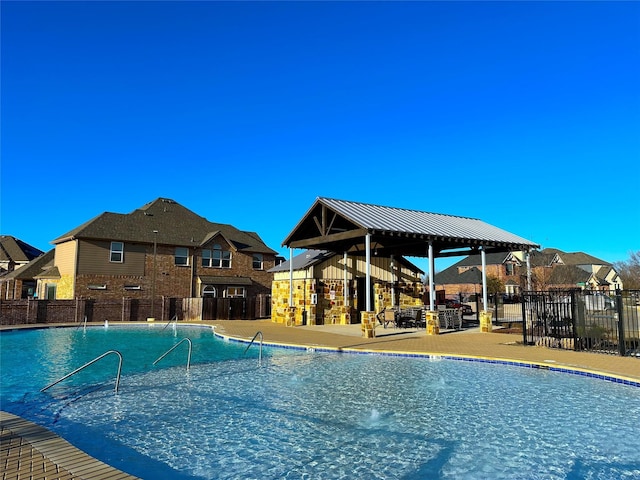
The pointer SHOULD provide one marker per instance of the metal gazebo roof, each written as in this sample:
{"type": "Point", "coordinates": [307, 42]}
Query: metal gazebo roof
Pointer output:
{"type": "Point", "coordinates": [341, 226]}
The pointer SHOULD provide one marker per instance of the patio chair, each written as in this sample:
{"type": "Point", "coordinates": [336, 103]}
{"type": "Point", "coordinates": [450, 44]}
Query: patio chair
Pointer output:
{"type": "Point", "coordinates": [448, 317]}
{"type": "Point", "coordinates": [389, 316]}
{"type": "Point", "coordinates": [410, 318]}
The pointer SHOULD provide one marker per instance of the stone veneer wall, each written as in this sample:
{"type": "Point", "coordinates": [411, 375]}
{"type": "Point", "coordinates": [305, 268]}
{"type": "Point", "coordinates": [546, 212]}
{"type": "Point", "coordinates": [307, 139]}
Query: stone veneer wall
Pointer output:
{"type": "Point", "coordinates": [302, 291]}
{"type": "Point", "coordinates": [330, 300]}
{"type": "Point", "coordinates": [406, 294]}
{"type": "Point", "coordinates": [64, 287]}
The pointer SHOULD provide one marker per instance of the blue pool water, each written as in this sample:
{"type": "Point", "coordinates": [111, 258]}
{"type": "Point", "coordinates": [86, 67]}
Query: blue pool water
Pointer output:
{"type": "Point", "coordinates": [314, 415]}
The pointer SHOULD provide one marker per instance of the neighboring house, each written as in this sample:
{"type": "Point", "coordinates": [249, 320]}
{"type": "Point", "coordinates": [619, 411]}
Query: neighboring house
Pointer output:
{"type": "Point", "coordinates": [159, 250]}
{"type": "Point", "coordinates": [319, 293]}
{"type": "Point", "coordinates": [554, 268]}
{"type": "Point", "coordinates": [550, 269]}
{"type": "Point", "coordinates": [22, 282]}
{"type": "Point", "coordinates": [15, 253]}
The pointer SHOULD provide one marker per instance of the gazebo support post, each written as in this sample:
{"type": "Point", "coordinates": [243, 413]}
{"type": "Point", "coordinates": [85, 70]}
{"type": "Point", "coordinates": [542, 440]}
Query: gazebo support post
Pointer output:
{"type": "Point", "coordinates": [368, 317]}
{"type": "Point", "coordinates": [485, 313]}
{"type": "Point", "coordinates": [290, 314]}
{"type": "Point", "coordinates": [431, 316]}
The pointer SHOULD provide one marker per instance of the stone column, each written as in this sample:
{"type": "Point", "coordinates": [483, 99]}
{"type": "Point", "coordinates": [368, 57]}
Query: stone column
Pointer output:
{"type": "Point", "coordinates": [485, 321]}
{"type": "Point", "coordinates": [368, 320]}
{"type": "Point", "coordinates": [433, 326]}
{"type": "Point", "coordinates": [290, 316]}
{"type": "Point", "coordinates": [345, 316]}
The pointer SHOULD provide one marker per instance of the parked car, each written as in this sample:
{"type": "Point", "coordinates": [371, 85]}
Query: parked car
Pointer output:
{"type": "Point", "coordinates": [450, 303]}
{"type": "Point", "coordinates": [599, 301]}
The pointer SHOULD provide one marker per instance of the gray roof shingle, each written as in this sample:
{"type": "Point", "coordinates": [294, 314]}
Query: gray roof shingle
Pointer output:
{"type": "Point", "coordinates": [175, 225]}
{"type": "Point", "coordinates": [13, 249]}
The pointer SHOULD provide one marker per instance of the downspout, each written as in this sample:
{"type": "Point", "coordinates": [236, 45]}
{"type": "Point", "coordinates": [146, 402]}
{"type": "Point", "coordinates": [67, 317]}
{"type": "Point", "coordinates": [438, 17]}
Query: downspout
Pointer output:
{"type": "Point", "coordinates": [193, 278]}
{"type": "Point", "coordinates": [367, 248]}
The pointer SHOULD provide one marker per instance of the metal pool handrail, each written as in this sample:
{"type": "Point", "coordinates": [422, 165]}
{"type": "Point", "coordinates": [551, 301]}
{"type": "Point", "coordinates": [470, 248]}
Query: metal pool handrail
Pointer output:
{"type": "Point", "coordinates": [174, 319]}
{"type": "Point", "coordinates": [251, 343]}
{"type": "Point", "coordinates": [90, 363]}
{"type": "Point", "coordinates": [173, 348]}
{"type": "Point", "coordinates": [83, 323]}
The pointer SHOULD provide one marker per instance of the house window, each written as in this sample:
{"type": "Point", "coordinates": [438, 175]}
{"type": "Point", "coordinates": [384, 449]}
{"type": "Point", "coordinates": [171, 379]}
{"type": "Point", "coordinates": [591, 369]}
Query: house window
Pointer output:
{"type": "Point", "coordinates": [216, 258]}
{"type": "Point", "coordinates": [235, 292]}
{"type": "Point", "coordinates": [257, 261]}
{"type": "Point", "coordinates": [50, 292]}
{"type": "Point", "coordinates": [116, 254]}
{"type": "Point", "coordinates": [209, 291]}
{"type": "Point", "coordinates": [182, 256]}
{"type": "Point", "coordinates": [509, 269]}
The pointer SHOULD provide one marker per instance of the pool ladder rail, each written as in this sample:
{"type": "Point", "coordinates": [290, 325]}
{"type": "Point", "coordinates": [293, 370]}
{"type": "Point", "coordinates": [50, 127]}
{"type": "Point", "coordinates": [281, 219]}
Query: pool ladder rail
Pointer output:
{"type": "Point", "coordinates": [173, 320]}
{"type": "Point", "coordinates": [258, 334]}
{"type": "Point", "coordinates": [82, 324]}
{"type": "Point", "coordinates": [174, 347]}
{"type": "Point", "coordinates": [91, 363]}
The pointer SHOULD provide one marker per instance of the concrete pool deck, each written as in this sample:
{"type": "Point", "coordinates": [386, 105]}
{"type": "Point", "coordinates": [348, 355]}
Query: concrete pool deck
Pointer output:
{"type": "Point", "coordinates": [30, 451]}
{"type": "Point", "coordinates": [469, 343]}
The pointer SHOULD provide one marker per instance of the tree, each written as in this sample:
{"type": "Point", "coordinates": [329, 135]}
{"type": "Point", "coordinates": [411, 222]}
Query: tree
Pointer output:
{"type": "Point", "coordinates": [494, 285]}
{"type": "Point", "coordinates": [629, 271]}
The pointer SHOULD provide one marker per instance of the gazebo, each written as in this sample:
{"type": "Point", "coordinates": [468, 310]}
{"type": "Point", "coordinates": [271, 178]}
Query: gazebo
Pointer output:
{"type": "Point", "coordinates": [360, 229]}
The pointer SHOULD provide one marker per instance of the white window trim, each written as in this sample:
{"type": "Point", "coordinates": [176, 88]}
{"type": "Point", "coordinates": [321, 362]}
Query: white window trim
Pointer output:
{"type": "Point", "coordinates": [216, 257]}
{"type": "Point", "coordinates": [113, 251]}
{"type": "Point", "coordinates": [260, 258]}
{"type": "Point", "coordinates": [176, 256]}
{"type": "Point", "coordinates": [244, 292]}
{"type": "Point", "coordinates": [206, 292]}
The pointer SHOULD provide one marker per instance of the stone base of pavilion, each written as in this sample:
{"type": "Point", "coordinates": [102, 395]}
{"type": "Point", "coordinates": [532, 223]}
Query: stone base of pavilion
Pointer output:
{"type": "Point", "coordinates": [368, 324]}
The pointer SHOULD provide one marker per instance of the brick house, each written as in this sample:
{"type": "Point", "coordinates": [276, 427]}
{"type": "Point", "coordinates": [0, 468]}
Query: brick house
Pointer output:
{"type": "Point", "coordinates": [15, 253]}
{"type": "Point", "coordinates": [159, 250]}
{"type": "Point", "coordinates": [19, 263]}
{"type": "Point", "coordinates": [550, 269]}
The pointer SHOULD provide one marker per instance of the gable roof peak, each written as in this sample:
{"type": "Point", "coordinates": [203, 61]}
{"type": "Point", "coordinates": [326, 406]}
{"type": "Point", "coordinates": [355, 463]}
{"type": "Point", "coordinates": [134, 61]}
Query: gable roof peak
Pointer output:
{"type": "Point", "coordinates": [164, 221]}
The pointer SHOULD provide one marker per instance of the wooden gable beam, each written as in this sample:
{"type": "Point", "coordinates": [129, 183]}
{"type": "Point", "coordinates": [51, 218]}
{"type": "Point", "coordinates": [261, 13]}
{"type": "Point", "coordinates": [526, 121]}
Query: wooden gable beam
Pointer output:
{"type": "Point", "coordinates": [324, 228]}
{"type": "Point", "coordinates": [318, 242]}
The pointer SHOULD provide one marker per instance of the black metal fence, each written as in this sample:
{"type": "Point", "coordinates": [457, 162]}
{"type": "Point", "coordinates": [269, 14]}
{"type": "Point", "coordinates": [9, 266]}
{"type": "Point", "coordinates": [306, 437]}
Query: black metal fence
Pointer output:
{"type": "Point", "coordinates": [583, 320]}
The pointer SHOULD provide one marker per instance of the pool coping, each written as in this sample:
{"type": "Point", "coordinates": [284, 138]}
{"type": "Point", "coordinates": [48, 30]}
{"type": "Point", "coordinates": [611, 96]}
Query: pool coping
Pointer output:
{"type": "Point", "coordinates": [620, 379]}
{"type": "Point", "coordinates": [549, 365]}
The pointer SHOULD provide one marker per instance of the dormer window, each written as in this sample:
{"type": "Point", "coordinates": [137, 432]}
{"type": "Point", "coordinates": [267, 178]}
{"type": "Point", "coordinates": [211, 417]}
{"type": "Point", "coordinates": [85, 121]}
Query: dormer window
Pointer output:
{"type": "Point", "coordinates": [216, 257]}
{"type": "Point", "coordinates": [509, 269]}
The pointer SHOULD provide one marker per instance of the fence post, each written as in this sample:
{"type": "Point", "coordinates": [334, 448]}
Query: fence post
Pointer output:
{"type": "Point", "coordinates": [620, 309]}
{"type": "Point", "coordinates": [574, 322]}
{"type": "Point", "coordinates": [523, 303]}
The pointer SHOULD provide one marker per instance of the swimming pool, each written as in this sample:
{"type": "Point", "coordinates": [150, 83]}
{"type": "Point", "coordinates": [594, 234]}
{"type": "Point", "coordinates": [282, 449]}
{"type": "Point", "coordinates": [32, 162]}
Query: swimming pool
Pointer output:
{"type": "Point", "coordinates": [314, 415]}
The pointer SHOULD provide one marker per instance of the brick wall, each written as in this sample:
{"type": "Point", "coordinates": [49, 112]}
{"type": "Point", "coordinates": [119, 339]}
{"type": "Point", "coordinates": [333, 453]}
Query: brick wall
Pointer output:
{"type": "Point", "coordinates": [173, 280]}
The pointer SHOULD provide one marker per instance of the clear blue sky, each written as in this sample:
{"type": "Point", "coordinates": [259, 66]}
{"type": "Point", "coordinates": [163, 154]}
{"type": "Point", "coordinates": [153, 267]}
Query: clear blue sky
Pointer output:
{"type": "Point", "coordinates": [523, 114]}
